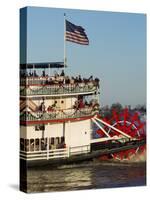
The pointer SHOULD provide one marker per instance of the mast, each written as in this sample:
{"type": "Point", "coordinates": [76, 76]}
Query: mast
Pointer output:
{"type": "Point", "coordinates": [65, 59]}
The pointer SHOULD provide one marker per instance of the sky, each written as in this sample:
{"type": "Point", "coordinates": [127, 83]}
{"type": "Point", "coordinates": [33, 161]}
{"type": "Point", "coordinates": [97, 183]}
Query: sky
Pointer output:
{"type": "Point", "coordinates": [116, 53]}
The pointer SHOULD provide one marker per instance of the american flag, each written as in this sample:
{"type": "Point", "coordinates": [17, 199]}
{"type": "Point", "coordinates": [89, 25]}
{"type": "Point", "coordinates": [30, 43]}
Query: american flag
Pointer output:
{"type": "Point", "coordinates": [76, 34]}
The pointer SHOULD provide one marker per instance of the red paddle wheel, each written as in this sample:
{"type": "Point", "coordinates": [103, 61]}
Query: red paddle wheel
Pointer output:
{"type": "Point", "coordinates": [132, 126]}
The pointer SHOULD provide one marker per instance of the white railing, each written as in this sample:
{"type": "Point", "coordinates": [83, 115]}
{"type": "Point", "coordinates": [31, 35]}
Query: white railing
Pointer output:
{"type": "Point", "coordinates": [44, 155]}
{"type": "Point", "coordinates": [57, 89]}
{"type": "Point", "coordinates": [54, 153]}
{"type": "Point", "coordinates": [59, 114]}
{"type": "Point", "coordinates": [79, 150]}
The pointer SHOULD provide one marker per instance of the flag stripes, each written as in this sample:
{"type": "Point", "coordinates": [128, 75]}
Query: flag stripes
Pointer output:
{"type": "Point", "coordinates": [76, 34]}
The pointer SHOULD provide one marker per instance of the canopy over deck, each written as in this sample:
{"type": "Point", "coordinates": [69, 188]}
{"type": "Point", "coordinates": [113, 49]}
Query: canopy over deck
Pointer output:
{"type": "Point", "coordinates": [43, 65]}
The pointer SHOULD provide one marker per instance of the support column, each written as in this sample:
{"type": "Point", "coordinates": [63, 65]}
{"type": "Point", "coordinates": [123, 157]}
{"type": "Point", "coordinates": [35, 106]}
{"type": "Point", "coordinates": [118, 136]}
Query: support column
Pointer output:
{"type": "Point", "coordinates": [34, 144]}
{"type": "Point", "coordinates": [40, 144]}
{"type": "Point", "coordinates": [29, 145]}
{"type": "Point", "coordinates": [64, 129]}
{"type": "Point", "coordinates": [47, 148]}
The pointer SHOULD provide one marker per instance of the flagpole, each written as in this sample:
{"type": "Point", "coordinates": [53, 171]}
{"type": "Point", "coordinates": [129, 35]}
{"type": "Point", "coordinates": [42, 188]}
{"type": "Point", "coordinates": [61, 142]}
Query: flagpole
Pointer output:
{"type": "Point", "coordinates": [65, 59]}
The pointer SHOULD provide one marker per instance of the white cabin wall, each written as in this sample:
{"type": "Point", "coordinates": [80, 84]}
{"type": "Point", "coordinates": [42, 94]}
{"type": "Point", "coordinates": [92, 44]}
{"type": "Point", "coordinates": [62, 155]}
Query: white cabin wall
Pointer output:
{"type": "Point", "coordinates": [23, 132]}
{"type": "Point", "coordinates": [70, 102]}
{"type": "Point", "coordinates": [78, 133]}
{"type": "Point", "coordinates": [51, 130]}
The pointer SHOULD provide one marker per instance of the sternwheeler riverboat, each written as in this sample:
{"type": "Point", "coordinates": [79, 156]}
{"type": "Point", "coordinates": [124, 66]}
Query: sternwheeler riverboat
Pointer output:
{"type": "Point", "coordinates": [60, 120]}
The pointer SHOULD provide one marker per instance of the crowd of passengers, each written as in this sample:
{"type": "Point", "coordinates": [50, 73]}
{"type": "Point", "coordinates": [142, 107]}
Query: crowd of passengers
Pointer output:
{"type": "Point", "coordinates": [61, 78]}
{"type": "Point", "coordinates": [79, 104]}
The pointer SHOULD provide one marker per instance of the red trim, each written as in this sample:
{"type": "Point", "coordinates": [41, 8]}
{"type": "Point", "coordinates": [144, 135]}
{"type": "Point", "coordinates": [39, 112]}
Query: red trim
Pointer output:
{"type": "Point", "coordinates": [54, 121]}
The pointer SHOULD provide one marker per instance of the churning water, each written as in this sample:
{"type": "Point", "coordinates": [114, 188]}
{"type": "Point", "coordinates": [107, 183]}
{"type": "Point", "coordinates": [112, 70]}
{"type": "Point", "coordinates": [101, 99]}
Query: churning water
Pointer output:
{"type": "Point", "coordinates": [88, 175]}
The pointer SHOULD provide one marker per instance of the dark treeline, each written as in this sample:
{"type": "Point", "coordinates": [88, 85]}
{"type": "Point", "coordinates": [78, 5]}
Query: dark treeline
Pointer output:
{"type": "Point", "coordinates": [107, 111]}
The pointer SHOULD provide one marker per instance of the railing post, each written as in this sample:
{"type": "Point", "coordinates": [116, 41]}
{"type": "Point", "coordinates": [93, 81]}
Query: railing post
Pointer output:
{"type": "Point", "coordinates": [40, 144]}
{"type": "Point", "coordinates": [68, 152]}
{"type": "Point", "coordinates": [29, 145]}
{"type": "Point", "coordinates": [47, 148]}
{"type": "Point", "coordinates": [34, 145]}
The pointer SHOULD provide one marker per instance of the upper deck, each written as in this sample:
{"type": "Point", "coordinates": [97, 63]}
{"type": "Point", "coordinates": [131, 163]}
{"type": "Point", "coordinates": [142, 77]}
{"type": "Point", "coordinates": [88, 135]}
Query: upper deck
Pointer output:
{"type": "Point", "coordinates": [36, 84]}
{"type": "Point", "coordinates": [32, 86]}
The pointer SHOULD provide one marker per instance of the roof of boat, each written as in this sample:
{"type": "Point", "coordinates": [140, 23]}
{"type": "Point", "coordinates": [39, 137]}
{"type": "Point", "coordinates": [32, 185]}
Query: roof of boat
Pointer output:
{"type": "Point", "coordinates": [42, 65]}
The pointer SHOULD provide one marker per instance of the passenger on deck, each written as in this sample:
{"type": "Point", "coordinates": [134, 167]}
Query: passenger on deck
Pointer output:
{"type": "Point", "coordinates": [56, 75]}
{"type": "Point", "coordinates": [85, 80]}
{"type": "Point", "coordinates": [79, 79]}
{"type": "Point", "coordinates": [30, 74]}
{"type": "Point", "coordinates": [90, 78]}
{"type": "Point", "coordinates": [62, 73]}
{"type": "Point", "coordinates": [50, 108]}
{"type": "Point", "coordinates": [43, 73]}
{"type": "Point", "coordinates": [42, 107]}
{"type": "Point", "coordinates": [76, 105]}
{"type": "Point", "coordinates": [76, 79]}
{"type": "Point", "coordinates": [54, 105]}
{"type": "Point", "coordinates": [43, 145]}
{"type": "Point", "coordinates": [81, 104]}
{"type": "Point", "coordinates": [97, 82]}
{"type": "Point", "coordinates": [35, 74]}
{"type": "Point", "coordinates": [67, 80]}
{"type": "Point", "coordinates": [86, 103]}
{"type": "Point", "coordinates": [72, 80]}
{"type": "Point", "coordinates": [47, 80]}
{"type": "Point", "coordinates": [50, 81]}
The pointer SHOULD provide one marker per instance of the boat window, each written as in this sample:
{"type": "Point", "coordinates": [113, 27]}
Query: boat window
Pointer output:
{"type": "Point", "coordinates": [62, 139]}
{"type": "Point", "coordinates": [57, 140]}
{"type": "Point", "coordinates": [32, 144]}
{"type": "Point", "coordinates": [37, 145]}
{"type": "Point", "coordinates": [22, 144]}
{"type": "Point", "coordinates": [52, 140]}
{"type": "Point", "coordinates": [39, 128]}
{"type": "Point", "coordinates": [26, 145]}
{"type": "Point", "coordinates": [43, 144]}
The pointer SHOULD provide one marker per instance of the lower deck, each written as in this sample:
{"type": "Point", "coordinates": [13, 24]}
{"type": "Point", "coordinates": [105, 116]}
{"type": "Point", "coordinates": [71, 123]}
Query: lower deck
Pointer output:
{"type": "Point", "coordinates": [49, 148]}
{"type": "Point", "coordinates": [81, 153]}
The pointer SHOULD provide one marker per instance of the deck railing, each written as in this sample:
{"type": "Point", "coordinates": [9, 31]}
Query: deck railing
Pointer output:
{"type": "Point", "coordinates": [58, 89]}
{"type": "Point", "coordinates": [54, 153]}
{"type": "Point", "coordinates": [45, 154]}
{"type": "Point", "coordinates": [48, 80]}
{"type": "Point", "coordinates": [58, 114]}
{"type": "Point", "coordinates": [41, 80]}
{"type": "Point", "coordinates": [79, 150]}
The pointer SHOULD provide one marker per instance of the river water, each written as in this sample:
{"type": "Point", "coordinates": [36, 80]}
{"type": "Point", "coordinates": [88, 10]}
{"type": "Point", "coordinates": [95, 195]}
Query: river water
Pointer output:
{"type": "Point", "coordinates": [87, 175]}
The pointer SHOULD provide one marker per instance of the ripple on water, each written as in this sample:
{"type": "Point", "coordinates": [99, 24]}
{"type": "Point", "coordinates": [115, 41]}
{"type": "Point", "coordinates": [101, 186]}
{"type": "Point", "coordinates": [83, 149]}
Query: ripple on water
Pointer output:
{"type": "Point", "coordinates": [86, 176]}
